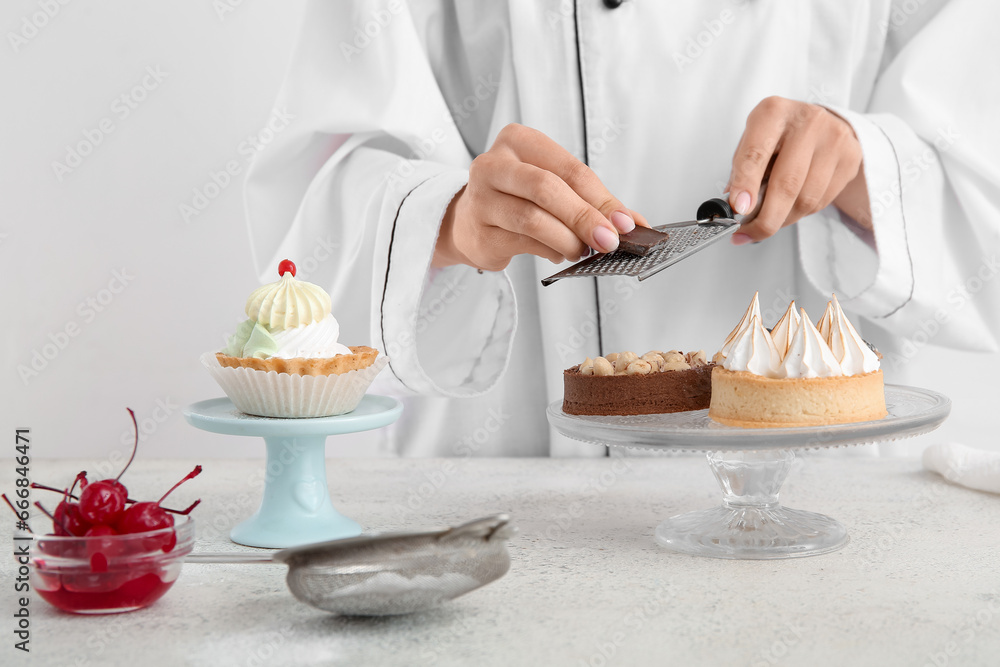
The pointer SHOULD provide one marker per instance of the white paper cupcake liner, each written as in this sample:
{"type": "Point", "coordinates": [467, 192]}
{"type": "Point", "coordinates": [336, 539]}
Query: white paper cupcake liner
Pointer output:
{"type": "Point", "coordinates": [273, 394]}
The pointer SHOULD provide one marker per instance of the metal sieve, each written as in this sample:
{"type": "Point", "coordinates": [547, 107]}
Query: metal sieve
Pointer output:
{"type": "Point", "coordinates": [393, 573]}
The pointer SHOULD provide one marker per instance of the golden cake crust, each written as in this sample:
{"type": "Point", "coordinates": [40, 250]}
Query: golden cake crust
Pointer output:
{"type": "Point", "coordinates": [361, 357]}
{"type": "Point", "coordinates": [743, 399]}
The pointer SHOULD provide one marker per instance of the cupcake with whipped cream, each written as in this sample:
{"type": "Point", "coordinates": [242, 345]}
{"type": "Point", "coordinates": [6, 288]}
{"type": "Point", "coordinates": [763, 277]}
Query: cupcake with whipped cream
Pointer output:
{"type": "Point", "coordinates": [796, 374]}
{"type": "Point", "coordinates": [285, 360]}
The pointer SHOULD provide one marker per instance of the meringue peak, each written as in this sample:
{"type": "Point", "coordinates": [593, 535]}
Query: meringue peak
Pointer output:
{"type": "Point", "coordinates": [752, 311]}
{"type": "Point", "coordinates": [753, 351]}
{"type": "Point", "coordinates": [785, 329]}
{"type": "Point", "coordinates": [826, 322]}
{"type": "Point", "coordinates": [850, 350]}
{"type": "Point", "coordinates": [808, 354]}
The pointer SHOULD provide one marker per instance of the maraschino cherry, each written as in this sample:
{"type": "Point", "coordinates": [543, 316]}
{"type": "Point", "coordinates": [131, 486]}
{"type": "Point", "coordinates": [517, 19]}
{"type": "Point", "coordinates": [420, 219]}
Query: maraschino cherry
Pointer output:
{"type": "Point", "coordinates": [145, 516]}
{"type": "Point", "coordinates": [101, 530]}
{"type": "Point", "coordinates": [286, 266]}
{"type": "Point", "coordinates": [67, 514]}
{"type": "Point", "coordinates": [104, 501]}
{"type": "Point", "coordinates": [128, 501]}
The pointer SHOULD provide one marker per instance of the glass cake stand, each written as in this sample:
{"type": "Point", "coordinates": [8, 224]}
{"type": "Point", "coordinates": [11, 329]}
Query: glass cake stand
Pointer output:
{"type": "Point", "coordinates": [750, 466]}
{"type": "Point", "coordinates": [295, 508]}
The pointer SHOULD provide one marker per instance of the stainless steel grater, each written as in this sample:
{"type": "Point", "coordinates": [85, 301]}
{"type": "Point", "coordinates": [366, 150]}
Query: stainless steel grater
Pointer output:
{"type": "Point", "coordinates": [716, 220]}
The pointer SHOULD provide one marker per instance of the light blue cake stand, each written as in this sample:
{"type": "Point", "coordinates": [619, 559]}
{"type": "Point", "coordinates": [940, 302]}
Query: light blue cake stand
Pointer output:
{"type": "Point", "coordinates": [296, 507]}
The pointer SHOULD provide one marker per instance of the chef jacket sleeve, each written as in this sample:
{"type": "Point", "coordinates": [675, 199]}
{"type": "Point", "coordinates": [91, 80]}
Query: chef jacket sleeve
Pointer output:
{"type": "Point", "coordinates": [354, 190]}
{"type": "Point", "coordinates": [931, 142]}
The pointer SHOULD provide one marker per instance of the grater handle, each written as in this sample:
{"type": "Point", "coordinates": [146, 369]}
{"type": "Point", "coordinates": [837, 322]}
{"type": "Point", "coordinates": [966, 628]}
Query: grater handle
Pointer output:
{"type": "Point", "coordinates": [719, 207]}
{"type": "Point", "coordinates": [715, 208]}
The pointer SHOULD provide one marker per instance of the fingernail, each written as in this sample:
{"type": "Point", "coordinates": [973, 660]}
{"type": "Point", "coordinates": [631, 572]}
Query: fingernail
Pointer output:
{"type": "Point", "coordinates": [743, 203]}
{"type": "Point", "coordinates": [605, 239]}
{"type": "Point", "coordinates": [740, 238]}
{"type": "Point", "coordinates": [623, 222]}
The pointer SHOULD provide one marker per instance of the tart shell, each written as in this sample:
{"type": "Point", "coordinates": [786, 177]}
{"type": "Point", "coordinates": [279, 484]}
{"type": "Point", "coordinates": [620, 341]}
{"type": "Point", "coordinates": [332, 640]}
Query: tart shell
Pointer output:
{"type": "Point", "coordinates": [653, 393]}
{"type": "Point", "coordinates": [743, 399]}
{"type": "Point", "coordinates": [361, 357]}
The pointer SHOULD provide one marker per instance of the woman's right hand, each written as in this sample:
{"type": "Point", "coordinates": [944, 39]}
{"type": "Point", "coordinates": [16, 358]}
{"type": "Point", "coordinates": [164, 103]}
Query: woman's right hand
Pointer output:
{"type": "Point", "coordinates": [528, 195]}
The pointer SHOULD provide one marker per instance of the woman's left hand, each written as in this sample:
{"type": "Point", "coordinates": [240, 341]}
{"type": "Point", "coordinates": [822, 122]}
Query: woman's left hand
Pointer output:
{"type": "Point", "coordinates": [817, 161]}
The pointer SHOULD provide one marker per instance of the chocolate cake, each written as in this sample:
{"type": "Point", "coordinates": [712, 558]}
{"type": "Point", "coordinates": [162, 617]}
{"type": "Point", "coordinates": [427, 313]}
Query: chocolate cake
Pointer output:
{"type": "Point", "coordinates": [638, 386]}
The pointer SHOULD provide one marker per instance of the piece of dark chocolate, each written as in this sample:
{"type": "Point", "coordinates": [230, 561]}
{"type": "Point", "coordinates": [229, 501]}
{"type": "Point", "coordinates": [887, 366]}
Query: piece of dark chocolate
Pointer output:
{"type": "Point", "coordinates": [641, 240]}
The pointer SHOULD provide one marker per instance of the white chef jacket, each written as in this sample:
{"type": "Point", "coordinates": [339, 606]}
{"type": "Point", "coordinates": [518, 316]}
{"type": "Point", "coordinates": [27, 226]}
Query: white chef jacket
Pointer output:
{"type": "Point", "coordinates": [391, 100]}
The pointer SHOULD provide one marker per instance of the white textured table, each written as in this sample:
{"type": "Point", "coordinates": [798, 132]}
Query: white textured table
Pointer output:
{"type": "Point", "coordinates": [919, 583]}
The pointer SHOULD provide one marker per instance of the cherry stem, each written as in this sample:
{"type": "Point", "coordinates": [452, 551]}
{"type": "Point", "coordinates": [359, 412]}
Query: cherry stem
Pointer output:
{"type": "Point", "coordinates": [80, 475]}
{"type": "Point", "coordinates": [66, 494]}
{"type": "Point", "coordinates": [184, 512]}
{"type": "Point", "coordinates": [135, 445]}
{"type": "Point", "coordinates": [11, 506]}
{"type": "Point", "coordinates": [194, 473]}
{"type": "Point", "coordinates": [36, 485]}
{"type": "Point", "coordinates": [54, 521]}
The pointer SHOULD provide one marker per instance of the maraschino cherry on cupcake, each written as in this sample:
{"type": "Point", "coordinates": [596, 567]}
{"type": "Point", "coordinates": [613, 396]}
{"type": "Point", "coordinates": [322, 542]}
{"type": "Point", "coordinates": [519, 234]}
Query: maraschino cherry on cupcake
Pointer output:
{"type": "Point", "coordinates": [286, 360]}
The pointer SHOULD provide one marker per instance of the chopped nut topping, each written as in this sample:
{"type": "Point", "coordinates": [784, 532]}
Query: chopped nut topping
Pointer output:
{"type": "Point", "coordinates": [696, 358]}
{"type": "Point", "coordinates": [603, 367]}
{"type": "Point", "coordinates": [623, 360]}
{"type": "Point", "coordinates": [628, 363]}
{"type": "Point", "coordinates": [639, 367]}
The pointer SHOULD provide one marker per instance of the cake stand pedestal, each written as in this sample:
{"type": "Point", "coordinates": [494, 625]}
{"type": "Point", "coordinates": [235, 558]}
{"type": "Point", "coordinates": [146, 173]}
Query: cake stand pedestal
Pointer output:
{"type": "Point", "coordinates": [295, 508]}
{"type": "Point", "coordinates": [750, 466]}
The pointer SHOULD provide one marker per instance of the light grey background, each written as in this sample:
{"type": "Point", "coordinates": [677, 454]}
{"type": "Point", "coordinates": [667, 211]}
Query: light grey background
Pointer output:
{"type": "Point", "coordinates": [218, 67]}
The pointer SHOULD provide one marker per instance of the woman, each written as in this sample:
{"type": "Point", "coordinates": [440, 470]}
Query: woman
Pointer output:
{"type": "Point", "coordinates": [451, 151]}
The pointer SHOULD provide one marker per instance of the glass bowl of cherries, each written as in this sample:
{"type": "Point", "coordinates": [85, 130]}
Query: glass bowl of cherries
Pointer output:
{"type": "Point", "coordinates": [109, 553]}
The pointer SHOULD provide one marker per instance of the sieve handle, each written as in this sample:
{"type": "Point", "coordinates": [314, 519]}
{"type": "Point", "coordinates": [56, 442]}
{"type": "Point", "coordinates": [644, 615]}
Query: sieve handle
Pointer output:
{"type": "Point", "coordinates": [487, 528]}
{"type": "Point", "coordinates": [223, 557]}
